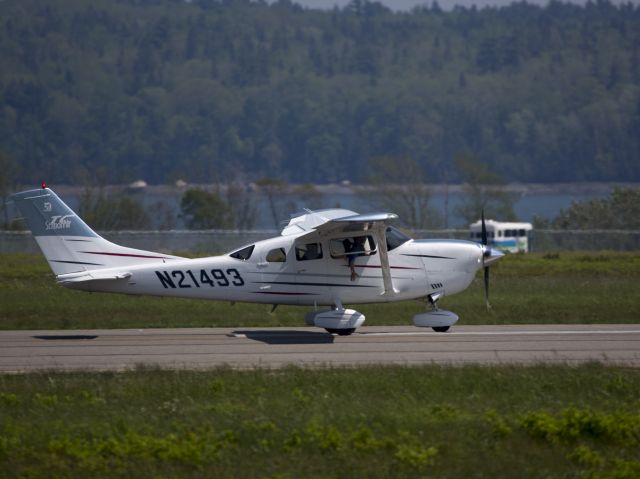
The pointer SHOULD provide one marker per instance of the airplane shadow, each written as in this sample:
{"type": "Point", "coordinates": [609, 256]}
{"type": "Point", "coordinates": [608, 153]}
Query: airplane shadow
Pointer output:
{"type": "Point", "coordinates": [287, 337]}
{"type": "Point", "coordinates": [65, 336]}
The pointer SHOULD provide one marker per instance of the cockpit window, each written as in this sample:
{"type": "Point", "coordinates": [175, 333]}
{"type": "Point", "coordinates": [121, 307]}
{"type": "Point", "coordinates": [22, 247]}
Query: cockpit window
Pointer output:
{"type": "Point", "coordinates": [243, 254]}
{"type": "Point", "coordinates": [395, 238]}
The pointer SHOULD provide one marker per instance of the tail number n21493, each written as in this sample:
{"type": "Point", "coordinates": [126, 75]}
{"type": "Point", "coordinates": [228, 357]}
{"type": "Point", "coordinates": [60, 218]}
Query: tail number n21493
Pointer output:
{"type": "Point", "coordinates": [200, 278]}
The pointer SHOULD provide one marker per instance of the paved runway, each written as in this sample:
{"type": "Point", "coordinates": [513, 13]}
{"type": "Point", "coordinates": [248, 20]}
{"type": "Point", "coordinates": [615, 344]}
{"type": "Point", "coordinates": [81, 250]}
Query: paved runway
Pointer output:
{"type": "Point", "coordinates": [277, 347]}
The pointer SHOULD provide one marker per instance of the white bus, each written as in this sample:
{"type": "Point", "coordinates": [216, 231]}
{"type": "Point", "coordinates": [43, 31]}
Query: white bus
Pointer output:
{"type": "Point", "coordinates": [507, 237]}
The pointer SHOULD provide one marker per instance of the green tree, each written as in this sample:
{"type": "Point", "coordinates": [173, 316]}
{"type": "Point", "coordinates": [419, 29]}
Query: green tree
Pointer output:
{"type": "Point", "coordinates": [483, 191]}
{"type": "Point", "coordinates": [243, 208]}
{"type": "Point", "coordinates": [105, 213]}
{"type": "Point", "coordinates": [399, 187]}
{"type": "Point", "coordinates": [620, 210]}
{"type": "Point", "coordinates": [203, 210]}
{"type": "Point", "coordinates": [207, 89]}
{"type": "Point", "coordinates": [310, 196]}
{"type": "Point", "coordinates": [8, 175]}
{"type": "Point", "coordinates": [274, 190]}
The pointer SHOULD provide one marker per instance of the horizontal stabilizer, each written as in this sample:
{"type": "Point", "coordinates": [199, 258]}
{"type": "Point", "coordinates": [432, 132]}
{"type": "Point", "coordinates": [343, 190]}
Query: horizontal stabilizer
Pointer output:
{"type": "Point", "coordinates": [87, 276]}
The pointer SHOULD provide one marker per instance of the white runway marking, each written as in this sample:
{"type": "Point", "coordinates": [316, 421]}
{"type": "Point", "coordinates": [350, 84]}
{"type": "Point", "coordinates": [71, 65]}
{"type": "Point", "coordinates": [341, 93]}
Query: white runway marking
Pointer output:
{"type": "Point", "coordinates": [498, 333]}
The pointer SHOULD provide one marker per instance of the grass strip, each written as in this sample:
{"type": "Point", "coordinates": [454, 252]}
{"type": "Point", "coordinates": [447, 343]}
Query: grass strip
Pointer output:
{"type": "Point", "coordinates": [473, 421]}
{"type": "Point", "coordinates": [526, 289]}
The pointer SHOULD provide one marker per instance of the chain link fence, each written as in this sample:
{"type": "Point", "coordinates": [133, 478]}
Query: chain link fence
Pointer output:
{"type": "Point", "coordinates": [220, 241]}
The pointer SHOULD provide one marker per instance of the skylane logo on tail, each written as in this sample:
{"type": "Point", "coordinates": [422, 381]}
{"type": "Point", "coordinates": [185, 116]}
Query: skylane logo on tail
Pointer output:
{"type": "Point", "coordinates": [58, 223]}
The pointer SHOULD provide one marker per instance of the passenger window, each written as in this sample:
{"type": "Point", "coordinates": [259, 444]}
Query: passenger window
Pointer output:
{"type": "Point", "coordinates": [243, 254]}
{"type": "Point", "coordinates": [277, 255]}
{"type": "Point", "coordinates": [309, 251]}
{"type": "Point", "coordinates": [352, 246]}
{"type": "Point", "coordinates": [522, 233]}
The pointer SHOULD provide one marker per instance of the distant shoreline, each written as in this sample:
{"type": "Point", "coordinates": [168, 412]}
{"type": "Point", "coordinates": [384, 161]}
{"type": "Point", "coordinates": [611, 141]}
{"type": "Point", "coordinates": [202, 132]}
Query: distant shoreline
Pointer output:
{"type": "Point", "coordinates": [346, 189]}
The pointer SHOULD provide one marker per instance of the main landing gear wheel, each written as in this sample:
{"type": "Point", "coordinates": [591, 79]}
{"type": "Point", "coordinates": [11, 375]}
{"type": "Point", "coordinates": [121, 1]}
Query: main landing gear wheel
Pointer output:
{"type": "Point", "coordinates": [341, 332]}
{"type": "Point", "coordinates": [441, 329]}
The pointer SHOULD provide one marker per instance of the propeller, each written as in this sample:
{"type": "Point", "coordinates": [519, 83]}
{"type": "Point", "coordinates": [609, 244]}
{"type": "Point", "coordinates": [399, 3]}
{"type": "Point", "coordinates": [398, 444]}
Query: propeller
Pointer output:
{"type": "Point", "coordinates": [489, 256]}
{"type": "Point", "coordinates": [486, 251]}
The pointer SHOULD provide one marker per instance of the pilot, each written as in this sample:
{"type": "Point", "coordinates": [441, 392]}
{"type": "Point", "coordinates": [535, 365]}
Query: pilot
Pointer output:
{"type": "Point", "coordinates": [353, 249]}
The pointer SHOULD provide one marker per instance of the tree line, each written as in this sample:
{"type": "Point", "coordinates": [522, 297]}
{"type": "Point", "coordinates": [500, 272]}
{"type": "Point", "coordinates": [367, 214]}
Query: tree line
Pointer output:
{"type": "Point", "coordinates": [110, 91]}
{"type": "Point", "coordinates": [235, 207]}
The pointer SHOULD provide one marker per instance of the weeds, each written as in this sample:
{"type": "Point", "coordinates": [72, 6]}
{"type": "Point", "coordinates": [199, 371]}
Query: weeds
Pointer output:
{"type": "Point", "coordinates": [572, 424]}
{"type": "Point", "coordinates": [372, 422]}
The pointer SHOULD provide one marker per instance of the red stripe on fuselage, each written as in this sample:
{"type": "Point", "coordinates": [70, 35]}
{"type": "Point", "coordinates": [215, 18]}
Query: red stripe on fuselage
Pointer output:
{"type": "Point", "coordinates": [374, 266]}
{"type": "Point", "coordinates": [284, 293]}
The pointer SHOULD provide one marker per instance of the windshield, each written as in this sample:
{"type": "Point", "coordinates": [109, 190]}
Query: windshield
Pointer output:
{"type": "Point", "coordinates": [244, 254]}
{"type": "Point", "coordinates": [395, 238]}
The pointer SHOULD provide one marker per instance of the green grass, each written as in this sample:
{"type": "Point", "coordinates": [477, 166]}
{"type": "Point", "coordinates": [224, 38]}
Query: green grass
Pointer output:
{"type": "Point", "coordinates": [525, 289]}
{"type": "Point", "coordinates": [542, 421]}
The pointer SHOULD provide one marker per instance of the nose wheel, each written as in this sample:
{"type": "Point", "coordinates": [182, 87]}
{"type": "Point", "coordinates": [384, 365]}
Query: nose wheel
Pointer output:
{"type": "Point", "coordinates": [437, 319]}
{"type": "Point", "coordinates": [441, 329]}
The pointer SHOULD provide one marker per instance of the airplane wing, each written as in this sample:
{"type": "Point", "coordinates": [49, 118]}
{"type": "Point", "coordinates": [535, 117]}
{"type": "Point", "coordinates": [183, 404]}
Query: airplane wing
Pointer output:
{"type": "Point", "coordinates": [375, 223]}
{"type": "Point", "coordinates": [87, 276]}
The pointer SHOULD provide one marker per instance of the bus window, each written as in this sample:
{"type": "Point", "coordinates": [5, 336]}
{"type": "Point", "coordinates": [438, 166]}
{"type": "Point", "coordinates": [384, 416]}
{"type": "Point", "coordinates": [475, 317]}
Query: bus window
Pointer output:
{"type": "Point", "coordinates": [522, 233]}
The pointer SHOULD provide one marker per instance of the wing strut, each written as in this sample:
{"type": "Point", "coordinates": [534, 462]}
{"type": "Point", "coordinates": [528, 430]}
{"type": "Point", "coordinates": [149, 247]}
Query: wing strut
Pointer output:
{"type": "Point", "coordinates": [381, 239]}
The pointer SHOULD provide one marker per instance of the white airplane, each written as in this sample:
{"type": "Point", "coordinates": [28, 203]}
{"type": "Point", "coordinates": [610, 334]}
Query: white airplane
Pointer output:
{"type": "Point", "coordinates": [322, 258]}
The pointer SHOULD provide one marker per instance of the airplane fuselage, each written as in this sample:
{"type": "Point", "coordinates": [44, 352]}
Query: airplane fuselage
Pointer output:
{"type": "Point", "coordinates": [418, 268]}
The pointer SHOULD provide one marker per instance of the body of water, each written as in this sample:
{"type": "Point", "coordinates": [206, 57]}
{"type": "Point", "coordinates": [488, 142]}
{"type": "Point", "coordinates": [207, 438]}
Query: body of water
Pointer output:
{"type": "Point", "coordinates": [530, 201]}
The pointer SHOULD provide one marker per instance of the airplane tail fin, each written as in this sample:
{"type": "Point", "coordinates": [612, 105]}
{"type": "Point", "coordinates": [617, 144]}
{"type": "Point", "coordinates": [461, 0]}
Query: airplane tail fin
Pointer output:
{"type": "Point", "coordinates": [67, 242]}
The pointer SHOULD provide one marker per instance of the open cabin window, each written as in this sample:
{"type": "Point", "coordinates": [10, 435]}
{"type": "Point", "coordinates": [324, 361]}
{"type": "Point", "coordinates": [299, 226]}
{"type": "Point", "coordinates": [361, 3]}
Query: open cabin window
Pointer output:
{"type": "Point", "coordinates": [243, 254]}
{"type": "Point", "coordinates": [277, 255]}
{"type": "Point", "coordinates": [352, 246]}
{"type": "Point", "coordinates": [309, 251]}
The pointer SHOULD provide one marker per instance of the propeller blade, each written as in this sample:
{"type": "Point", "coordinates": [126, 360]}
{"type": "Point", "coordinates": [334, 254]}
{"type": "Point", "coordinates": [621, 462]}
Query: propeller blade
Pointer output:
{"type": "Point", "coordinates": [486, 287]}
{"type": "Point", "coordinates": [484, 230]}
